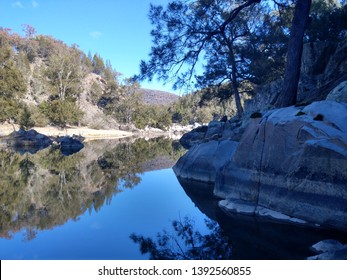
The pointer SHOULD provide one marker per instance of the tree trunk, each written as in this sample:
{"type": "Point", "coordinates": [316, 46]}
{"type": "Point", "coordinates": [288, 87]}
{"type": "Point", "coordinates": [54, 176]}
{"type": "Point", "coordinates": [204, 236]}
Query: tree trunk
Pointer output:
{"type": "Point", "coordinates": [234, 74]}
{"type": "Point", "coordinates": [292, 73]}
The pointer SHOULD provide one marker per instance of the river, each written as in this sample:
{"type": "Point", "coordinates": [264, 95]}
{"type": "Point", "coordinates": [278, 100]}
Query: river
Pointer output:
{"type": "Point", "coordinates": [119, 199]}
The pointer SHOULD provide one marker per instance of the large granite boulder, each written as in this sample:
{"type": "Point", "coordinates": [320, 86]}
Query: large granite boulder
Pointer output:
{"type": "Point", "coordinates": [291, 160]}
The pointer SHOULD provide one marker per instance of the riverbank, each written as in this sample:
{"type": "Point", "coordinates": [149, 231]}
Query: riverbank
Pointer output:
{"type": "Point", "coordinates": [175, 132]}
{"type": "Point", "coordinates": [88, 133]}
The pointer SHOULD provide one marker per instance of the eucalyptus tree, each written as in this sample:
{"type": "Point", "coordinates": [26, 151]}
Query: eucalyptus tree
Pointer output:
{"type": "Point", "coordinates": [64, 74]}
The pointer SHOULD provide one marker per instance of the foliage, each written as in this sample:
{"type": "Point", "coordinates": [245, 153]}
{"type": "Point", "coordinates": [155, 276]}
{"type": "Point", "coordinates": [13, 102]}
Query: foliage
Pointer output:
{"type": "Point", "coordinates": [64, 72]}
{"type": "Point", "coordinates": [204, 105]}
{"type": "Point", "coordinates": [153, 116]}
{"type": "Point", "coordinates": [327, 21]}
{"type": "Point", "coordinates": [10, 109]}
{"type": "Point", "coordinates": [25, 121]}
{"type": "Point", "coordinates": [62, 112]}
{"type": "Point", "coordinates": [11, 79]}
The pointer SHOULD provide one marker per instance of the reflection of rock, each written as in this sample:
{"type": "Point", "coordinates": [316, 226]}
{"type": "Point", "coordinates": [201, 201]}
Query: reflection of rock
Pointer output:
{"type": "Point", "coordinates": [28, 141]}
{"type": "Point", "coordinates": [70, 145]}
{"type": "Point", "coordinates": [31, 141]}
{"type": "Point", "coordinates": [329, 250]}
{"type": "Point", "coordinates": [291, 160]}
{"type": "Point", "coordinates": [258, 237]}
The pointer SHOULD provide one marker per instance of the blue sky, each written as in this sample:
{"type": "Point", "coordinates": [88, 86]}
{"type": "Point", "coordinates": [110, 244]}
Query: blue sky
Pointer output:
{"type": "Point", "coordinates": [118, 30]}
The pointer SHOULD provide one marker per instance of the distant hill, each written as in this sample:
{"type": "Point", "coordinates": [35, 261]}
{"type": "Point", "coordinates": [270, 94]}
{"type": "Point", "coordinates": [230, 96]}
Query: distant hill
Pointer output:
{"type": "Point", "coordinates": [158, 97]}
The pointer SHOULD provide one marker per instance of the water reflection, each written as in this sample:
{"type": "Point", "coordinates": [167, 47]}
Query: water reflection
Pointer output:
{"type": "Point", "coordinates": [187, 243]}
{"type": "Point", "coordinates": [45, 189]}
{"type": "Point", "coordinates": [230, 236]}
{"type": "Point", "coordinates": [259, 238]}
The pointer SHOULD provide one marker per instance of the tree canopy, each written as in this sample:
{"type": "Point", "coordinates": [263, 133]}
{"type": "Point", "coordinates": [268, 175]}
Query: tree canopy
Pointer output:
{"type": "Point", "coordinates": [253, 40]}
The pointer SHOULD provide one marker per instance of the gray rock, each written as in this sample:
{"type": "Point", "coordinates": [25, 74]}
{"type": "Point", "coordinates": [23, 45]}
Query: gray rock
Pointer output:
{"type": "Point", "coordinates": [203, 160]}
{"type": "Point", "coordinates": [290, 163]}
{"type": "Point", "coordinates": [329, 250]}
{"type": "Point", "coordinates": [193, 137]}
{"type": "Point", "coordinates": [329, 245]}
{"type": "Point", "coordinates": [339, 93]}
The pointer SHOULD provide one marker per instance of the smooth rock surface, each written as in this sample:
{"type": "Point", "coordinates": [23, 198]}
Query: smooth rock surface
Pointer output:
{"type": "Point", "coordinates": [292, 160]}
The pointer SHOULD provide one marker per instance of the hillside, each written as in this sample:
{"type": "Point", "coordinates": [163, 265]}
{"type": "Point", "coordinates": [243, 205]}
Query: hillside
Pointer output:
{"type": "Point", "coordinates": [45, 82]}
{"type": "Point", "coordinates": [158, 97]}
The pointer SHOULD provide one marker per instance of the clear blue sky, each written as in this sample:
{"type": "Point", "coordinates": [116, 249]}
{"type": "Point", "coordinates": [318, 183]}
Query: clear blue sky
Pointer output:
{"type": "Point", "coordinates": [118, 30]}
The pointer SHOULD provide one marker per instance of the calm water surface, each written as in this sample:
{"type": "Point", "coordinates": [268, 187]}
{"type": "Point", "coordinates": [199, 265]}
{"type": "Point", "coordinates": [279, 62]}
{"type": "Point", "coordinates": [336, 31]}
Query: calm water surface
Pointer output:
{"type": "Point", "coordinates": [121, 200]}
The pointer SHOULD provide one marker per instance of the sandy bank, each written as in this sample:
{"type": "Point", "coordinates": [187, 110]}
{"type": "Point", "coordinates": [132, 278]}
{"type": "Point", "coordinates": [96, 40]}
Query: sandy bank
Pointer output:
{"type": "Point", "coordinates": [88, 133]}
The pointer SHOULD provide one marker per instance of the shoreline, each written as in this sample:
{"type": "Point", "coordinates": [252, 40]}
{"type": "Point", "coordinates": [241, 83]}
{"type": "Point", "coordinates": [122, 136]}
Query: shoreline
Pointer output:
{"type": "Point", "coordinates": [175, 132]}
{"type": "Point", "coordinates": [88, 133]}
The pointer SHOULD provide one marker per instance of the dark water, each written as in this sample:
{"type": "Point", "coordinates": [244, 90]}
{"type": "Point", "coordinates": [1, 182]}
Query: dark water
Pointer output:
{"type": "Point", "coordinates": [121, 200]}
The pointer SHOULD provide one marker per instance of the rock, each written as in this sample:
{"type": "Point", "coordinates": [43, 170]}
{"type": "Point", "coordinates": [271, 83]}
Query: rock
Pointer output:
{"type": "Point", "coordinates": [70, 145]}
{"type": "Point", "coordinates": [204, 159]}
{"type": "Point", "coordinates": [28, 141]}
{"type": "Point", "coordinates": [290, 163]}
{"type": "Point", "coordinates": [193, 137]}
{"type": "Point", "coordinates": [327, 246]}
{"type": "Point", "coordinates": [224, 119]}
{"type": "Point", "coordinates": [339, 93]}
{"type": "Point", "coordinates": [329, 250]}
{"type": "Point", "coordinates": [238, 206]}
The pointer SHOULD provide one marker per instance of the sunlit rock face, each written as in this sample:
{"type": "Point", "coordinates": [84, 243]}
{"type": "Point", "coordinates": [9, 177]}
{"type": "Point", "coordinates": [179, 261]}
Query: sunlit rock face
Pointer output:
{"type": "Point", "coordinates": [291, 160]}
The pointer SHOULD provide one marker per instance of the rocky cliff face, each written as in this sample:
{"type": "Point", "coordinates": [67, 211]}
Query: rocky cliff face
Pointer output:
{"type": "Point", "coordinates": [287, 163]}
{"type": "Point", "coordinates": [323, 68]}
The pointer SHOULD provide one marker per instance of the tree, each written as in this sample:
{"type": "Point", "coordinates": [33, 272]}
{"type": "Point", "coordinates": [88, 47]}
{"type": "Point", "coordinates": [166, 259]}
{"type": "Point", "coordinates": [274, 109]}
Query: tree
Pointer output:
{"type": "Point", "coordinates": [292, 73]}
{"type": "Point", "coordinates": [64, 72]}
{"type": "Point", "coordinates": [185, 30]}
{"type": "Point", "coordinates": [11, 80]}
{"type": "Point", "coordinates": [29, 30]}
{"type": "Point", "coordinates": [98, 64]}
{"type": "Point", "coordinates": [12, 85]}
{"type": "Point", "coordinates": [181, 35]}
{"type": "Point", "coordinates": [62, 112]}
{"type": "Point", "coordinates": [25, 120]}
{"type": "Point", "coordinates": [327, 21]}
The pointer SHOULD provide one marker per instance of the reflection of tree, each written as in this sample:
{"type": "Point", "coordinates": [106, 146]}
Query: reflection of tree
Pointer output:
{"type": "Point", "coordinates": [186, 243]}
{"type": "Point", "coordinates": [42, 190]}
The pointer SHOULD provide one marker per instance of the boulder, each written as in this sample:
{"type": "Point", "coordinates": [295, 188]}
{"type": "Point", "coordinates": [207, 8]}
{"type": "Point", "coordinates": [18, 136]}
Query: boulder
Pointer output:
{"type": "Point", "coordinates": [329, 250]}
{"type": "Point", "coordinates": [291, 160]}
{"type": "Point", "coordinates": [28, 141]}
{"type": "Point", "coordinates": [70, 145]}
{"type": "Point", "coordinates": [193, 137]}
{"type": "Point", "coordinates": [339, 93]}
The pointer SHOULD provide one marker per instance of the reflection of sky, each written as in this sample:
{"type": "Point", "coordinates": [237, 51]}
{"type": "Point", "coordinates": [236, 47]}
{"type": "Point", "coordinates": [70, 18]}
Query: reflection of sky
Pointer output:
{"type": "Point", "coordinates": [145, 210]}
